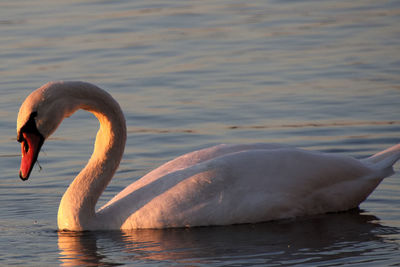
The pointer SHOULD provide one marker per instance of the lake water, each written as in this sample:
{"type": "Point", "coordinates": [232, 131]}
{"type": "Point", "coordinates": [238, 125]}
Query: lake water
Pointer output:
{"type": "Point", "coordinates": [322, 75]}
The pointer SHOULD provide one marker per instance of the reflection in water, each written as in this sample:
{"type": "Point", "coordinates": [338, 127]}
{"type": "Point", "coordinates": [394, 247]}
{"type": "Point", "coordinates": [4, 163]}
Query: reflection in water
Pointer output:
{"type": "Point", "coordinates": [79, 248]}
{"type": "Point", "coordinates": [338, 238]}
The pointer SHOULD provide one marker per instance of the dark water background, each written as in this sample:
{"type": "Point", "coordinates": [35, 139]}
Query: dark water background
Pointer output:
{"type": "Point", "coordinates": [322, 75]}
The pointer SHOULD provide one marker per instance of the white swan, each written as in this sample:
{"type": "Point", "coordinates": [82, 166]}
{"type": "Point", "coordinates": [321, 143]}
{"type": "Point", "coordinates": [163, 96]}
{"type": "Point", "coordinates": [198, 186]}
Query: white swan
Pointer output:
{"type": "Point", "coordinates": [225, 184]}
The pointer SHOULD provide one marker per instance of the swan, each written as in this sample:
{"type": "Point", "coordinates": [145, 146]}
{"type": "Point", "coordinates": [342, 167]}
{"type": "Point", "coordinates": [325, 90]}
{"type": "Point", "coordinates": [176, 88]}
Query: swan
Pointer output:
{"type": "Point", "coordinates": [220, 185]}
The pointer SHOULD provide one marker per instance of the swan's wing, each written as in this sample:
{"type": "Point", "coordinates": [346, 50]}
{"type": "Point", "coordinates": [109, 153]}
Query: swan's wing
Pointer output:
{"type": "Point", "coordinates": [247, 186]}
{"type": "Point", "coordinates": [190, 159]}
{"type": "Point", "coordinates": [259, 185]}
{"type": "Point", "coordinates": [196, 157]}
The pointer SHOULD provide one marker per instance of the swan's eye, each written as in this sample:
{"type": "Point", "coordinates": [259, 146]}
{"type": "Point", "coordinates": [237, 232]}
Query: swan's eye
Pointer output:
{"type": "Point", "coordinates": [20, 138]}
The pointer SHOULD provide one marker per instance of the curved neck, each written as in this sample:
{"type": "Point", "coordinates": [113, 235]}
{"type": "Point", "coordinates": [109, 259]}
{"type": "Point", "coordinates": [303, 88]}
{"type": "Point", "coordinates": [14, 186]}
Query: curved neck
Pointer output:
{"type": "Point", "coordinates": [77, 207]}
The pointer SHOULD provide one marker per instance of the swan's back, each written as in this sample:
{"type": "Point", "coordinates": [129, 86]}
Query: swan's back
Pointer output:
{"type": "Point", "coordinates": [188, 160]}
{"type": "Point", "coordinates": [241, 184]}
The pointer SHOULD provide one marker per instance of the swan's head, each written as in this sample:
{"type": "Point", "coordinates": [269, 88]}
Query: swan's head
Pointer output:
{"type": "Point", "coordinates": [38, 117]}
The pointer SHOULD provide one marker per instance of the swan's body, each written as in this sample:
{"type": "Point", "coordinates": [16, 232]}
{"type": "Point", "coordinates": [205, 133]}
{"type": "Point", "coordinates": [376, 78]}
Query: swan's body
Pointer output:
{"type": "Point", "coordinates": [225, 184]}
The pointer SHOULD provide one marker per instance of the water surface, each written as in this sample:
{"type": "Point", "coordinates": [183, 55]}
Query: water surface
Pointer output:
{"type": "Point", "coordinates": [322, 75]}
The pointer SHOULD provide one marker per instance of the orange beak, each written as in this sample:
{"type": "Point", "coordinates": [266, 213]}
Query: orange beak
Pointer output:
{"type": "Point", "coordinates": [30, 147]}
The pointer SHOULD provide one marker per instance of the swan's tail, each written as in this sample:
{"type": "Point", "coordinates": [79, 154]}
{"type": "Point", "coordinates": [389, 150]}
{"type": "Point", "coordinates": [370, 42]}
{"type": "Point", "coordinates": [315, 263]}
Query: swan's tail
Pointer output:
{"type": "Point", "coordinates": [383, 161]}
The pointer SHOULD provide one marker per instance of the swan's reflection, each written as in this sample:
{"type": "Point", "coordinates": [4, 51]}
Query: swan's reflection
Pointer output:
{"type": "Point", "coordinates": [310, 240]}
{"type": "Point", "coordinates": [78, 249]}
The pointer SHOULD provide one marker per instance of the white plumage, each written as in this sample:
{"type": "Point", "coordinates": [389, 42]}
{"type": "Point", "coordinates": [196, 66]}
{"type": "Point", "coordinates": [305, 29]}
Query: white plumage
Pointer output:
{"type": "Point", "coordinates": [224, 184]}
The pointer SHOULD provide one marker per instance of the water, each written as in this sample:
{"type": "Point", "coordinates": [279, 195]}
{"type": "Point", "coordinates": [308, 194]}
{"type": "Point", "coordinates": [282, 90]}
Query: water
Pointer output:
{"type": "Point", "coordinates": [321, 75]}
